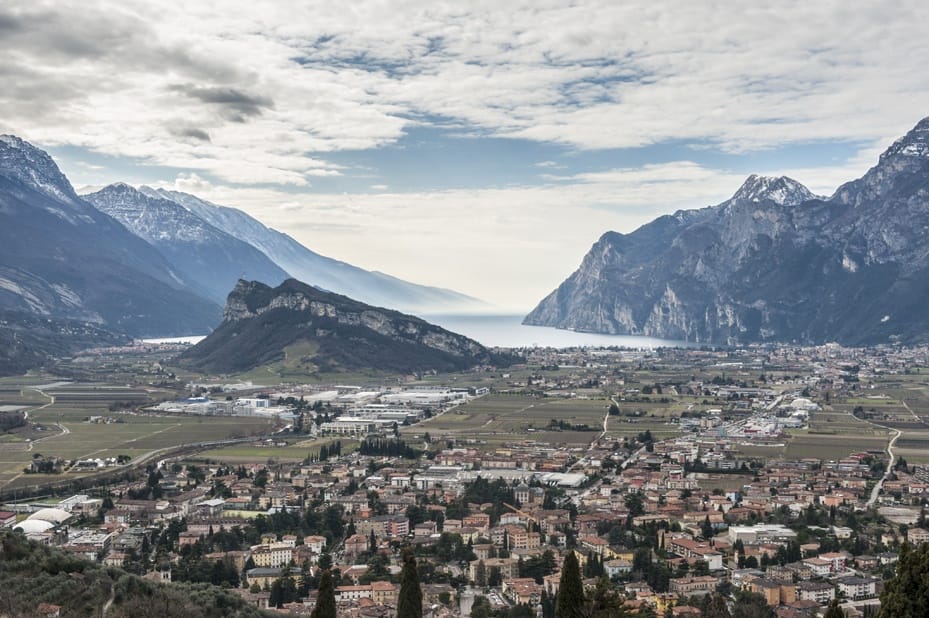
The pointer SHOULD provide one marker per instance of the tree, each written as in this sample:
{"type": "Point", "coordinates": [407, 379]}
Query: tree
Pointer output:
{"type": "Point", "coordinates": [706, 529]}
{"type": "Point", "coordinates": [906, 594]}
{"type": "Point", "coordinates": [606, 602]}
{"type": "Point", "coordinates": [325, 598]}
{"type": "Point", "coordinates": [570, 601]}
{"type": "Point", "coordinates": [480, 574]}
{"type": "Point", "coordinates": [635, 504]}
{"type": "Point", "coordinates": [283, 590]}
{"type": "Point", "coordinates": [410, 600]}
{"type": "Point", "coordinates": [834, 610]}
{"type": "Point", "coordinates": [714, 606]}
{"type": "Point", "coordinates": [751, 605]}
{"type": "Point", "coordinates": [481, 608]}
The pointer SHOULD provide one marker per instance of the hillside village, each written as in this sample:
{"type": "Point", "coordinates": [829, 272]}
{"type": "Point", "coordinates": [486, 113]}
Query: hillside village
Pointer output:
{"type": "Point", "coordinates": [661, 520]}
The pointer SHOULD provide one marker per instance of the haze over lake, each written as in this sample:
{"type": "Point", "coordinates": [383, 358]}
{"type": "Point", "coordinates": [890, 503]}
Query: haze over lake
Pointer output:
{"type": "Point", "coordinates": [508, 331]}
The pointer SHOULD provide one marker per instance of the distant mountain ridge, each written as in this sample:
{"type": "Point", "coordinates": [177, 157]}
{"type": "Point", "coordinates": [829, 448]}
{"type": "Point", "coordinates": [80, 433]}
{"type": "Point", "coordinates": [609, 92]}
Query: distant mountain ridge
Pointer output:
{"type": "Point", "coordinates": [144, 262]}
{"type": "Point", "coordinates": [315, 330]}
{"type": "Point", "coordinates": [62, 258]}
{"type": "Point", "coordinates": [371, 287]}
{"type": "Point", "coordinates": [772, 263]}
{"type": "Point", "coordinates": [211, 259]}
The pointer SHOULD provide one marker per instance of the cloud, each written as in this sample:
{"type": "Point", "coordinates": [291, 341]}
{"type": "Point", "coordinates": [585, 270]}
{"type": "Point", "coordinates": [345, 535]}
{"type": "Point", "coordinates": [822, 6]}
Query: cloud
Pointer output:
{"type": "Point", "coordinates": [265, 103]}
{"type": "Point", "coordinates": [235, 105]}
{"type": "Point", "coordinates": [192, 132]}
{"type": "Point", "coordinates": [277, 88]}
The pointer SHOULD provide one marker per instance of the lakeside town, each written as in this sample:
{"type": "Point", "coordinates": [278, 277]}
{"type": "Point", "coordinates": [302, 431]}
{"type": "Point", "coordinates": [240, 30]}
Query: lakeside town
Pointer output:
{"type": "Point", "coordinates": [663, 513]}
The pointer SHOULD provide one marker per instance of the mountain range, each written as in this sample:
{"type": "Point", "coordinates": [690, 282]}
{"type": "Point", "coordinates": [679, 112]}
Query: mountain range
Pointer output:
{"type": "Point", "coordinates": [144, 262]}
{"type": "Point", "coordinates": [62, 258]}
{"type": "Point", "coordinates": [372, 287]}
{"type": "Point", "coordinates": [772, 263]}
{"type": "Point", "coordinates": [151, 261]}
{"type": "Point", "coordinates": [308, 330]}
{"type": "Point", "coordinates": [213, 246]}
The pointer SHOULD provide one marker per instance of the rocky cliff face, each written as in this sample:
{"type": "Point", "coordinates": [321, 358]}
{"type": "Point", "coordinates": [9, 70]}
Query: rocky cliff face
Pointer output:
{"type": "Point", "coordinates": [260, 322]}
{"type": "Point", "coordinates": [774, 262]}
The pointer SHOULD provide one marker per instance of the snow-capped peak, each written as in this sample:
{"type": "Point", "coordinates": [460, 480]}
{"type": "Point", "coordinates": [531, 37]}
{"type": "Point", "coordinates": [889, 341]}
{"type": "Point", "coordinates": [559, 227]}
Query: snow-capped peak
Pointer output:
{"type": "Point", "coordinates": [780, 190]}
{"type": "Point", "coordinates": [21, 160]}
{"type": "Point", "coordinates": [913, 144]}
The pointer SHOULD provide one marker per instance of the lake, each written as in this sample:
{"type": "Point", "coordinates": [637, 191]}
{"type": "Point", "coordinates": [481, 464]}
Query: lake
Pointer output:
{"type": "Point", "coordinates": [507, 331]}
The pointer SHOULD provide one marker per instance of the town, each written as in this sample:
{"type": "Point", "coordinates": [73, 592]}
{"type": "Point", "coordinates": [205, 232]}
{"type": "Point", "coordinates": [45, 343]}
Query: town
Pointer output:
{"type": "Point", "coordinates": [783, 478]}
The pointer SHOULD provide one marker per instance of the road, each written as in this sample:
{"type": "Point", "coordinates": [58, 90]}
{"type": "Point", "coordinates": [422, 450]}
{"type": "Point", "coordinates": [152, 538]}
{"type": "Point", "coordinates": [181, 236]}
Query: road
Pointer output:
{"type": "Point", "coordinates": [890, 455]}
{"type": "Point", "coordinates": [593, 443]}
{"type": "Point", "coordinates": [890, 467]}
{"type": "Point", "coordinates": [51, 401]}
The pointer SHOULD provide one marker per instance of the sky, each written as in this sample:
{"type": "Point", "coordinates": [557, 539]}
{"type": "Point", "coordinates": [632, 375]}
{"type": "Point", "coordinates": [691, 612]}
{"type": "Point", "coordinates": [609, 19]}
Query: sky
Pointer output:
{"type": "Point", "coordinates": [479, 146]}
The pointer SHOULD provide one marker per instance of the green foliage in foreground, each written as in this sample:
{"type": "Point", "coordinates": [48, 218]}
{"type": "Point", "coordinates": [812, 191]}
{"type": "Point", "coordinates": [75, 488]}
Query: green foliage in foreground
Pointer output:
{"type": "Point", "coordinates": [31, 574]}
{"type": "Point", "coordinates": [907, 594]}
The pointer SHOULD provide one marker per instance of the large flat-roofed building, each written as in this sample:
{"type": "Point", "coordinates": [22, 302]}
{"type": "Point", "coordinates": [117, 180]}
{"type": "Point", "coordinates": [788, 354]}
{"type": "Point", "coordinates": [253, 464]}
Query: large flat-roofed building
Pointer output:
{"type": "Point", "coordinates": [352, 425]}
{"type": "Point", "coordinates": [761, 533]}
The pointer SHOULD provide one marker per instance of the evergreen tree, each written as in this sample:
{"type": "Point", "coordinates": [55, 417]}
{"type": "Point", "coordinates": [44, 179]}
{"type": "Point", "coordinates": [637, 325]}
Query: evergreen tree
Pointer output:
{"type": "Point", "coordinates": [751, 605]}
{"type": "Point", "coordinates": [548, 606]}
{"type": "Point", "coordinates": [410, 600]}
{"type": "Point", "coordinates": [714, 606]}
{"type": "Point", "coordinates": [606, 602]}
{"type": "Point", "coordinates": [570, 600]}
{"type": "Point", "coordinates": [907, 593]}
{"type": "Point", "coordinates": [834, 610]}
{"type": "Point", "coordinates": [480, 574]}
{"type": "Point", "coordinates": [325, 598]}
{"type": "Point", "coordinates": [706, 529]}
{"type": "Point", "coordinates": [283, 590]}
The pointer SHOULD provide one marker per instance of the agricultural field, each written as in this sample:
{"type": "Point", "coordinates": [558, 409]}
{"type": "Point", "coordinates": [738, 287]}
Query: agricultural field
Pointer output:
{"type": "Point", "coordinates": [294, 451]}
{"type": "Point", "coordinates": [899, 402]}
{"type": "Point", "coordinates": [61, 427]}
{"type": "Point", "coordinates": [496, 419]}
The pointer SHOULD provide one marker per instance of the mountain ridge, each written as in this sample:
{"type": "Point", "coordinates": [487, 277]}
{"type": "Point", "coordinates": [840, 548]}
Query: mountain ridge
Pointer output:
{"type": "Point", "coordinates": [205, 255]}
{"type": "Point", "coordinates": [261, 323]}
{"type": "Point", "coordinates": [304, 264]}
{"type": "Point", "coordinates": [62, 258]}
{"type": "Point", "coordinates": [769, 264]}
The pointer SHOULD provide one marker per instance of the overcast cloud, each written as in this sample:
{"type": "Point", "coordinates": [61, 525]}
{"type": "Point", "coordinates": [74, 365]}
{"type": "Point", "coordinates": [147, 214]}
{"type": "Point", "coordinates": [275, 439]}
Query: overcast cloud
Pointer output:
{"type": "Point", "coordinates": [299, 112]}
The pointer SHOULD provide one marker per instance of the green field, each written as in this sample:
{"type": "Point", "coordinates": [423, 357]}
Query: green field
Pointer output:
{"type": "Point", "coordinates": [61, 429]}
{"type": "Point", "coordinates": [496, 419]}
{"type": "Point", "coordinates": [898, 402]}
{"type": "Point", "coordinates": [295, 451]}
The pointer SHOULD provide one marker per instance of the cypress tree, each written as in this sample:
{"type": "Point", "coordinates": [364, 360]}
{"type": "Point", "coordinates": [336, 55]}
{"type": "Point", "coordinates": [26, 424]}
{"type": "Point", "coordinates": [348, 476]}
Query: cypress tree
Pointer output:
{"type": "Point", "coordinates": [325, 598]}
{"type": "Point", "coordinates": [410, 601]}
{"type": "Point", "coordinates": [570, 601]}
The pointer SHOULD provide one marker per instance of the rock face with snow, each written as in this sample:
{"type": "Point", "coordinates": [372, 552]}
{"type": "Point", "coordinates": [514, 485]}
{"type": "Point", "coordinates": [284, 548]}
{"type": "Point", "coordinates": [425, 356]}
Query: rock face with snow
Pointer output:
{"type": "Point", "coordinates": [318, 270]}
{"type": "Point", "coordinates": [313, 330]}
{"type": "Point", "coordinates": [210, 258]}
{"type": "Point", "coordinates": [773, 263]}
{"type": "Point", "coordinates": [62, 258]}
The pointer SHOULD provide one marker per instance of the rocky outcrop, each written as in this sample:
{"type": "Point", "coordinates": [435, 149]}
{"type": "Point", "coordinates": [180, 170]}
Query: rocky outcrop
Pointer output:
{"type": "Point", "coordinates": [772, 263]}
{"type": "Point", "coordinates": [260, 322]}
